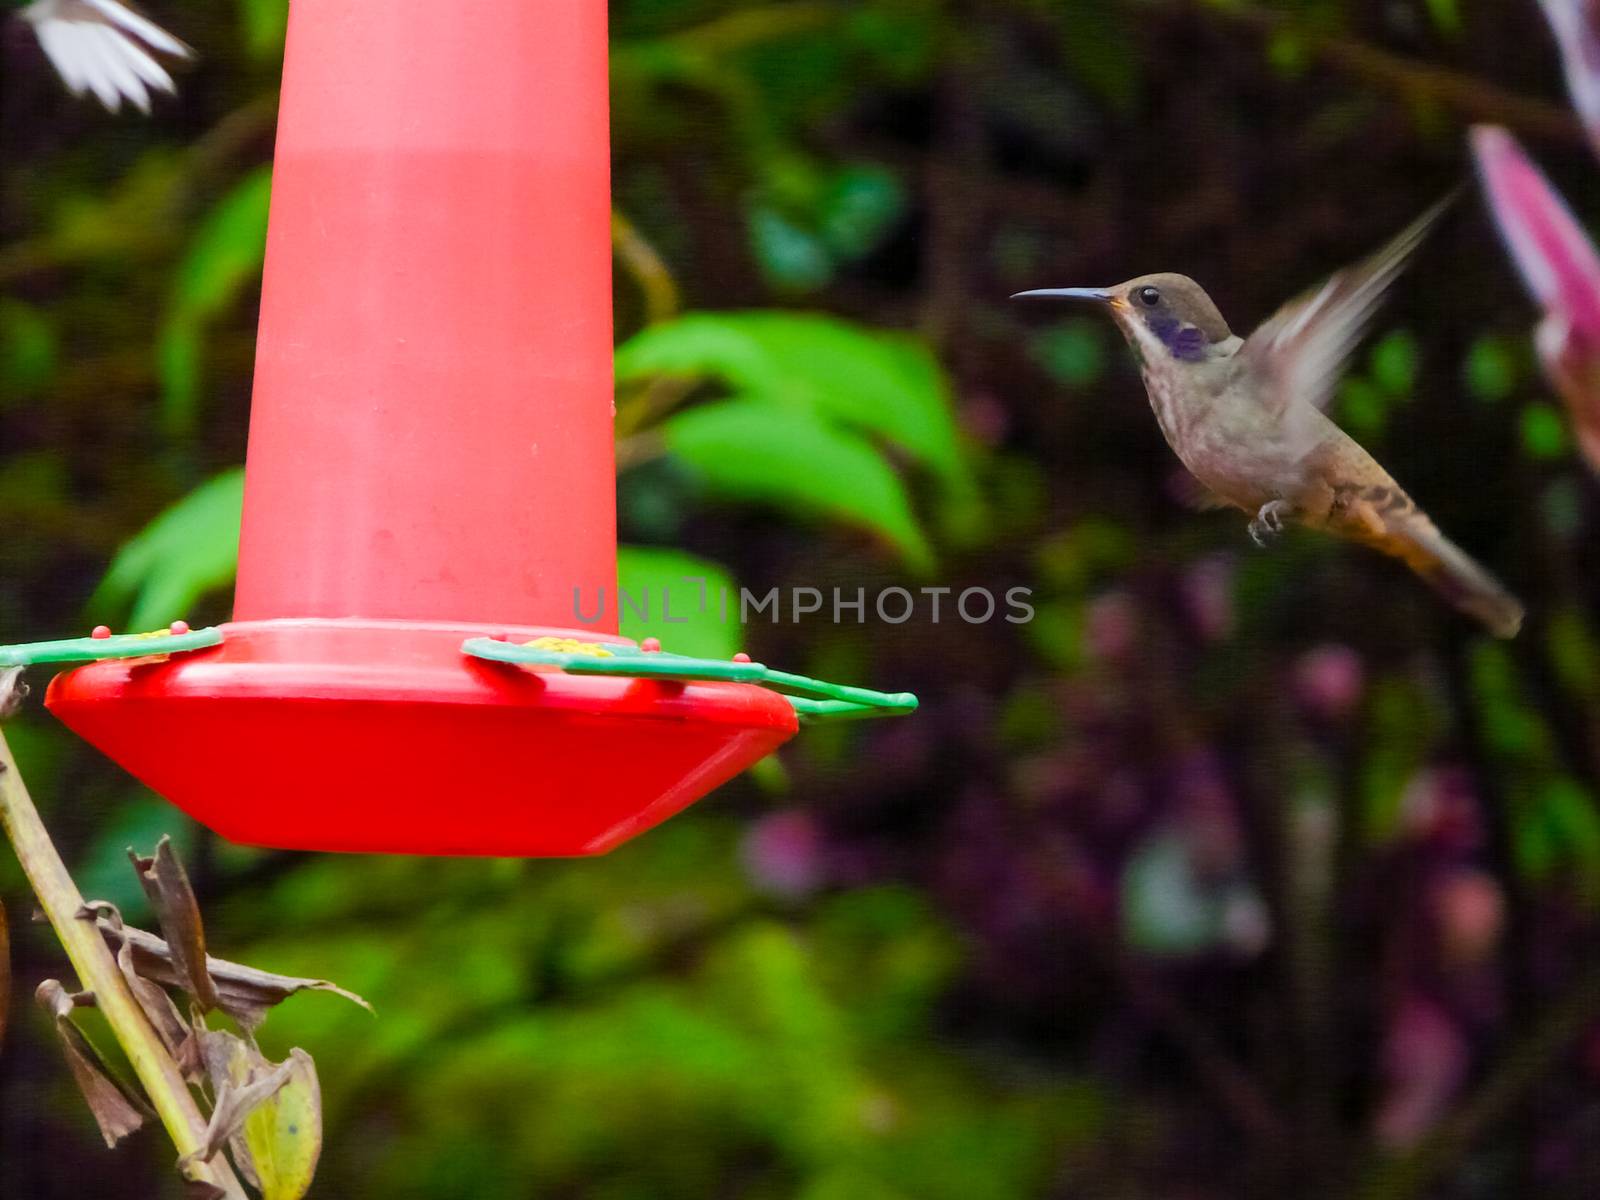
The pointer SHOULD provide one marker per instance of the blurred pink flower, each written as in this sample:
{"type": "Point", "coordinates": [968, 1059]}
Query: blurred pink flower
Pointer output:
{"type": "Point", "coordinates": [1424, 1063]}
{"type": "Point", "coordinates": [1470, 909]}
{"type": "Point", "coordinates": [1440, 807]}
{"type": "Point", "coordinates": [1207, 588]}
{"type": "Point", "coordinates": [1111, 627]}
{"type": "Point", "coordinates": [1560, 267]}
{"type": "Point", "coordinates": [1578, 35]}
{"type": "Point", "coordinates": [781, 853]}
{"type": "Point", "coordinates": [1328, 680]}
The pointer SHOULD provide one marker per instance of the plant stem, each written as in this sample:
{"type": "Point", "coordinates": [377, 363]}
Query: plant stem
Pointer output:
{"type": "Point", "coordinates": [1469, 97]}
{"type": "Point", "coordinates": [98, 973]}
{"type": "Point", "coordinates": [648, 268]}
{"type": "Point", "coordinates": [744, 28]}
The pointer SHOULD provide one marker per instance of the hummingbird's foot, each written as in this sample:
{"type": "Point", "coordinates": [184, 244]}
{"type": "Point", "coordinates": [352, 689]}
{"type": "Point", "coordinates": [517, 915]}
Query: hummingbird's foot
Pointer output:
{"type": "Point", "coordinates": [1269, 522]}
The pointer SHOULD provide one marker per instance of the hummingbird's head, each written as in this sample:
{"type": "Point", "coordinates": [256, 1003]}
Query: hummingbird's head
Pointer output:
{"type": "Point", "coordinates": [1158, 314]}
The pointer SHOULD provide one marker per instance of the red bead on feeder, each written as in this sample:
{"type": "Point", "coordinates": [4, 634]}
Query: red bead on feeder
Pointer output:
{"type": "Point", "coordinates": [430, 484]}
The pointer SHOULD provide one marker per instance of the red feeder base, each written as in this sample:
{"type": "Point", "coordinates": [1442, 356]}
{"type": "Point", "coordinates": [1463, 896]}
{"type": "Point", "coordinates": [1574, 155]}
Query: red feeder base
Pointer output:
{"type": "Point", "coordinates": [382, 736]}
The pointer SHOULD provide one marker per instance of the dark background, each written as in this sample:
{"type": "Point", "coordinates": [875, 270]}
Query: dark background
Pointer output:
{"type": "Point", "coordinates": [1232, 873]}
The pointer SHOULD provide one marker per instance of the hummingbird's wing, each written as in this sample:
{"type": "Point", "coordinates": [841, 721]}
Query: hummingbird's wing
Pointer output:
{"type": "Point", "coordinates": [104, 47]}
{"type": "Point", "coordinates": [1301, 349]}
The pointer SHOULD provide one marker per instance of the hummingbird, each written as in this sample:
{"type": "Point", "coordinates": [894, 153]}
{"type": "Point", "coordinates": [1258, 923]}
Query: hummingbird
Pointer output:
{"type": "Point", "coordinates": [1246, 416]}
{"type": "Point", "coordinates": [104, 47]}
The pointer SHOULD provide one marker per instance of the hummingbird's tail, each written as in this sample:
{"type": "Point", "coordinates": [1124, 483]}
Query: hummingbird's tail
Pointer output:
{"type": "Point", "coordinates": [1451, 572]}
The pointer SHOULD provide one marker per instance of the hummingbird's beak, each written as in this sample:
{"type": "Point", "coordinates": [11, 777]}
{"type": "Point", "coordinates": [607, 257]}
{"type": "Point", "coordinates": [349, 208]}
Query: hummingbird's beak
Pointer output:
{"type": "Point", "coordinates": [1099, 295]}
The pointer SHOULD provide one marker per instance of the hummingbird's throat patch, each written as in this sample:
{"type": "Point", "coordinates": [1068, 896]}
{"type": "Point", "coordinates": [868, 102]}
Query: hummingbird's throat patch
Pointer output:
{"type": "Point", "coordinates": [1184, 342]}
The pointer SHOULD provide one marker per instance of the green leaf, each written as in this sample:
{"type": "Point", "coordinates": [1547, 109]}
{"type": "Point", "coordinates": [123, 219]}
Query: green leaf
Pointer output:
{"type": "Point", "coordinates": [1072, 352]}
{"type": "Point", "coordinates": [1101, 52]}
{"type": "Point", "coordinates": [902, 40]}
{"type": "Point", "coordinates": [227, 249]}
{"type": "Point", "coordinates": [884, 385]}
{"type": "Point", "coordinates": [224, 256]}
{"type": "Point", "coordinates": [1574, 651]}
{"type": "Point", "coordinates": [1394, 363]}
{"type": "Point", "coordinates": [1559, 829]}
{"type": "Point", "coordinates": [1446, 16]}
{"type": "Point", "coordinates": [1490, 370]}
{"type": "Point", "coordinates": [697, 594]}
{"type": "Point", "coordinates": [1288, 53]}
{"type": "Point", "coordinates": [189, 550]}
{"type": "Point", "coordinates": [1513, 729]}
{"type": "Point", "coordinates": [1575, 827]}
{"type": "Point", "coordinates": [859, 206]}
{"type": "Point", "coordinates": [27, 350]}
{"type": "Point", "coordinates": [264, 22]}
{"type": "Point", "coordinates": [1363, 407]}
{"type": "Point", "coordinates": [1402, 729]}
{"type": "Point", "coordinates": [1544, 432]}
{"type": "Point", "coordinates": [792, 258]}
{"type": "Point", "coordinates": [284, 1133]}
{"type": "Point", "coordinates": [746, 449]}
{"type": "Point", "coordinates": [127, 221]}
{"type": "Point", "coordinates": [180, 350]}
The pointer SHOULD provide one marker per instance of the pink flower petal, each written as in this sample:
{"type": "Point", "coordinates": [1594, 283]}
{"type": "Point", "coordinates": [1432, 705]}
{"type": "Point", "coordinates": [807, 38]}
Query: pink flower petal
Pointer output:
{"type": "Point", "coordinates": [1572, 364]}
{"type": "Point", "coordinates": [1556, 258]}
{"type": "Point", "coordinates": [1562, 270]}
{"type": "Point", "coordinates": [1328, 680]}
{"type": "Point", "coordinates": [1425, 1061]}
{"type": "Point", "coordinates": [1576, 24]}
{"type": "Point", "coordinates": [782, 854]}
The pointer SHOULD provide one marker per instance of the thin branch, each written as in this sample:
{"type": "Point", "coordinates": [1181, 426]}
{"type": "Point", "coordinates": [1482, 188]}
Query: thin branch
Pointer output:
{"type": "Point", "coordinates": [747, 27]}
{"type": "Point", "coordinates": [638, 449]}
{"type": "Point", "coordinates": [649, 270]}
{"type": "Point", "coordinates": [1472, 98]}
{"type": "Point", "coordinates": [98, 973]}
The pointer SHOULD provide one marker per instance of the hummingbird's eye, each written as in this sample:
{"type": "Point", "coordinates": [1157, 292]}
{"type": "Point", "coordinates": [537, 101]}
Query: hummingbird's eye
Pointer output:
{"type": "Point", "coordinates": [1148, 296]}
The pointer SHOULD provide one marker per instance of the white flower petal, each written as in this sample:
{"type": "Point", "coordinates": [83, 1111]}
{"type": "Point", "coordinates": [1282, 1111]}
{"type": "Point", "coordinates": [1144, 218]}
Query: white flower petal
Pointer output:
{"type": "Point", "coordinates": [114, 49]}
{"type": "Point", "coordinates": [101, 75]}
{"type": "Point", "coordinates": [62, 49]}
{"type": "Point", "coordinates": [103, 47]}
{"type": "Point", "coordinates": [142, 28]}
{"type": "Point", "coordinates": [147, 68]}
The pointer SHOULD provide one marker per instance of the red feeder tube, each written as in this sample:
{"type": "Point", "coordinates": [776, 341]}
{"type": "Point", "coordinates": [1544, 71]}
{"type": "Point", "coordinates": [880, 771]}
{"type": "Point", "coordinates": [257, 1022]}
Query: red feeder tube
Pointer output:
{"type": "Point", "coordinates": [430, 459]}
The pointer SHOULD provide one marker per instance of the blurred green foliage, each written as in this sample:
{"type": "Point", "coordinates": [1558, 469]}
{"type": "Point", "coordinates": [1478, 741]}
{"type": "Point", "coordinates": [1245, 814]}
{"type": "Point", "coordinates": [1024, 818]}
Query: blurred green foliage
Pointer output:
{"type": "Point", "coordinates": [1144, 900]}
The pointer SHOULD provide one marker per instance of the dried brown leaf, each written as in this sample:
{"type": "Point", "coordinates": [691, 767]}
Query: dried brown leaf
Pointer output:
{"type": "Point", "coordinates": [159, 1008]}
{"type": "Point", "coordinates": [243, 1080]}
{"type": "Point", "coordinates": [163, 878]}
{"type": "Point", "coordinates": [273, 1125]}
{"type": "Point", "coordinates": [244, 993]}
{"type": "Point", "coordinates": [12, 691]}
{"type": "Point", "coordinates": [175, 1033]}
{"type": "Point", "coordinates": [228, 1059]}
{"type": "Point", "coordinates": [224, 1057]}
{"type": "Point", "coordinates": [116, 1110]}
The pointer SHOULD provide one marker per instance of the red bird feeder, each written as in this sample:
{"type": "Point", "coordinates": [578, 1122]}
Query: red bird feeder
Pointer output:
{"type": "Point", "coordinates": [430, 462]}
